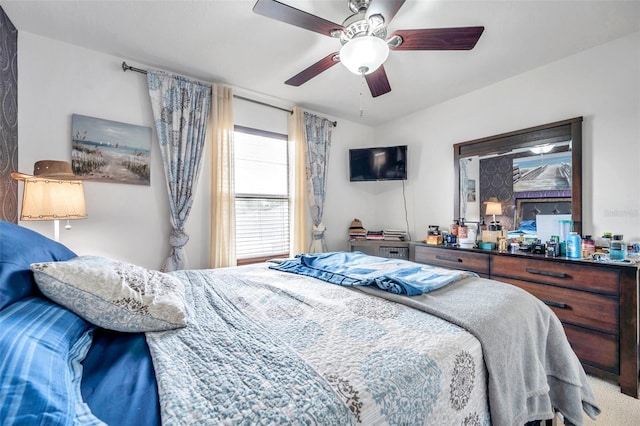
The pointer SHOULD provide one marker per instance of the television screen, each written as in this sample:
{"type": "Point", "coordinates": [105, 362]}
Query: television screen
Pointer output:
{"type": "Point", "coordinates": [385, 163]}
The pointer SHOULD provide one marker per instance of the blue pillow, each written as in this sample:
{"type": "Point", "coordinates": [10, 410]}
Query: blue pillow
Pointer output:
{"type": "Point", "coordinates": [528, 225]}
{"type": "Point", "coordinates": [19, 248]}
{"type": "Point", "coordinates": [42, 346]}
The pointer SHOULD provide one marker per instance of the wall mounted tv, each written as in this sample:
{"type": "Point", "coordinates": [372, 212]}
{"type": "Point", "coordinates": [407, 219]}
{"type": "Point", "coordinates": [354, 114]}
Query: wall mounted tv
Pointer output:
{"type": "Point", "coordinates": [384, 163]}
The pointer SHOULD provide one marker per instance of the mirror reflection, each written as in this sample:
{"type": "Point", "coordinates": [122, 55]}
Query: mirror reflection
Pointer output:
{"type": "Point", "coordinates": [531, 173]}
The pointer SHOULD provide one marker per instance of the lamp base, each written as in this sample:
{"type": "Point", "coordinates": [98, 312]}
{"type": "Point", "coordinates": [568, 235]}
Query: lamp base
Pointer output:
{"type": "Point", "coordinates": [495, 226]}
{"type": "Point", "coordinates": [56, 230]}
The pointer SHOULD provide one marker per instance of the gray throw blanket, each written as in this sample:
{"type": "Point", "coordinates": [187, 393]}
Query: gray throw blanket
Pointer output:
{"type": "Point", "coordinates": [532, 368]}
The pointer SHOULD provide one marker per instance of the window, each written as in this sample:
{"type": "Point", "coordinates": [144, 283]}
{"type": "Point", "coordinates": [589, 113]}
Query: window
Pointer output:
{"type": "Point", "coordinates": [262, 194]}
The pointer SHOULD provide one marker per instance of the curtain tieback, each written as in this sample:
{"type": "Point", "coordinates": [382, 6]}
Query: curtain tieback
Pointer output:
{"type": "Point", "coordinates": [178, 238]}
{"type": "Point", "coordinates": [318, 231]}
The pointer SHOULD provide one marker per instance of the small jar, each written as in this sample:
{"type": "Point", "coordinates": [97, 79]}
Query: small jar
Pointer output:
{"type": "Point", "coordinates": [463, 231]}
{"type": "Point", "coordinates": [617, 248]}
{"type": "Point", "coordinates": [588, 247]}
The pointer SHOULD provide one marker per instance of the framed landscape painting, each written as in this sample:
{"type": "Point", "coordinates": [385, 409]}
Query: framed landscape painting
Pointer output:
{"type": "Point", "coordinates": [110, 151]}
{"type": "Point", "coordinates": [542, 172]}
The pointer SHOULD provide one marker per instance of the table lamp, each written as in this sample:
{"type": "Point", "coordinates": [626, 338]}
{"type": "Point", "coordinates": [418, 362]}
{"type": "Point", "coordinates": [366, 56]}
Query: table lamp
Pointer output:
{"type": "Point", "coordinates": [493, 208]}
{"type": "Point", "coordinates": [52, 193]}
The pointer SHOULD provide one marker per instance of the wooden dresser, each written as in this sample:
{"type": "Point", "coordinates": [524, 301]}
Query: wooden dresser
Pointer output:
{"type": "Point", "coordinates": [597, 302]}
{"type": "Point", "coordinates": [382, 248]}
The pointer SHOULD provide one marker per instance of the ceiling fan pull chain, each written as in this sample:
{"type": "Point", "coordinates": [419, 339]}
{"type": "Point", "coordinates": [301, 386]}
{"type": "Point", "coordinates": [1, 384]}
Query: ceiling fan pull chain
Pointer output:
{"type": "Point", "coordinates": [361, 86]}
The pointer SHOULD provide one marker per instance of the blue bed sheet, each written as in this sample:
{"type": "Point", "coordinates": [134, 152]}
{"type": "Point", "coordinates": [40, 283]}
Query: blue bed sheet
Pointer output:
{"type": "Point", "coordinates": [359, 269]}
{"type": "Point", "coordinates": [119, 382]}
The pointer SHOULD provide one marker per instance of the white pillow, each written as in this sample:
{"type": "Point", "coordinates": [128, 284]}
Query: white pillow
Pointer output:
{"type": "Point", "coordinates": [114, 295]}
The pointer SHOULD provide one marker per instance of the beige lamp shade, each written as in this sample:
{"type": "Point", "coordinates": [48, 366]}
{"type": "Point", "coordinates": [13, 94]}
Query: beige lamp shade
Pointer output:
{"type": "Point", "coordinates": [493, 207]}
{"type": "Point", "coordinates": [52, 199]}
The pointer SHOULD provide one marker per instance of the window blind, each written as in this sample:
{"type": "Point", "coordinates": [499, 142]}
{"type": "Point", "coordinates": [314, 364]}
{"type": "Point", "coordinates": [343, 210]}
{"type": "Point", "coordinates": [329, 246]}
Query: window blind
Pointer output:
{"type": "Point", "coordinates": [262, 193]}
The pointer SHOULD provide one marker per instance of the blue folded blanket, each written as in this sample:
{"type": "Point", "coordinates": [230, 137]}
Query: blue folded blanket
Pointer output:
{"type": "Point", "coordinates": [359, 269]}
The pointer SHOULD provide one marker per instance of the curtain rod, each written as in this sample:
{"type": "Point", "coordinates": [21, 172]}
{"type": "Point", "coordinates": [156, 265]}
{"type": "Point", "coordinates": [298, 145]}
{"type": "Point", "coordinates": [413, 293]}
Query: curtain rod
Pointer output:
{"type": "Point", "coordinates": [126, 67]}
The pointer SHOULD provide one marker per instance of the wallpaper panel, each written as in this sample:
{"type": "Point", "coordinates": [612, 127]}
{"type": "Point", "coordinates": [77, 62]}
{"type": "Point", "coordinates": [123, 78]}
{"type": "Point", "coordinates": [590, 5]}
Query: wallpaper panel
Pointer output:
{"type": "Point", "coordinates": [8, 118]}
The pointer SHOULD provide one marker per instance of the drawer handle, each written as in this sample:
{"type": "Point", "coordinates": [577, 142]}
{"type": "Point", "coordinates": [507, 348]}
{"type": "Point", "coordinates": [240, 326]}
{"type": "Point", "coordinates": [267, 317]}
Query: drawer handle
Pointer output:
{"type": "Point", "coordinates": [547, 273]}
{"type": "Point", "coordinates": [449, 259]}
{"type": "Point", "coordinates": [556, 304]}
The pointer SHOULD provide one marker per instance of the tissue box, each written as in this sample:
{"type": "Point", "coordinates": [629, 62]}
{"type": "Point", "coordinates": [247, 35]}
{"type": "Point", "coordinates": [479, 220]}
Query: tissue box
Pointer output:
{"type": "Point", "coordinates": [492, 236]}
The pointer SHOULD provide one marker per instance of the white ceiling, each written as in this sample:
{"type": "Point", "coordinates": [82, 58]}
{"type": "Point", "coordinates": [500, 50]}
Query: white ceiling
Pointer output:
{"type": "Point", "coordinates": [224, 41]}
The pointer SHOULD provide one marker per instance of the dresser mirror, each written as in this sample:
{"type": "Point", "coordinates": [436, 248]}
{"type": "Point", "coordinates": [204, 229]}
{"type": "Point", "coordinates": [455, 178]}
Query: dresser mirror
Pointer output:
{"type": "Point", "coordinates": [532, 171]}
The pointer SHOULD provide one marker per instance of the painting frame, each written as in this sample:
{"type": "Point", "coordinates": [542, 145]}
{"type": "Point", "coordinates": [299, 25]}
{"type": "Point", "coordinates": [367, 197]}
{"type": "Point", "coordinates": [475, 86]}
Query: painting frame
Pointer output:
{"type": "Point", "coordinates": [110, 151]}
{"type": "Point", "coordinates": [471, 190]}
{"type": "Point", "coordinates": [542, 172]}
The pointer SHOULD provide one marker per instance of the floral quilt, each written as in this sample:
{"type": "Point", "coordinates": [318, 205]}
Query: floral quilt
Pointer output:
{"type": "Point", "coordinates": [265, 347]}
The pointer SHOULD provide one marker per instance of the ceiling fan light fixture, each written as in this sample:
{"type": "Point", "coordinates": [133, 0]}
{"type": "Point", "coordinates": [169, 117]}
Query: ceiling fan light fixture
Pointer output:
{"type": "Point", "coordinates": [542, 149]}
{"type": "Point", "coordinates": [364, 55]}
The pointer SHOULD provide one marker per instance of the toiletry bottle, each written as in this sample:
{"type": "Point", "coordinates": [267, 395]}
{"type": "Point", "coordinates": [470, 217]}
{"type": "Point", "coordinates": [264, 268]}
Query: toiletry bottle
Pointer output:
{"type": "Point", "coordinates": [566, 226]}
{"type": "Point", "coordinates": [588, 247]}
{"type": "Point", "coordinates": [454, 228]}
{"type": "Point", "coordinates": [482, 226]}
{"type": "Point", "coordinates": [574, 245]}
{"type": "Point", "coordinates": [617, 248]}
{"type": "Point", "coordinates": [462, 229]}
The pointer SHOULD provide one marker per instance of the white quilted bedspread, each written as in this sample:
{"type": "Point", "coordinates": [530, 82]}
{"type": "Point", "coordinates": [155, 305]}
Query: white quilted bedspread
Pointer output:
{"type": "Point", "coordinates": [267, 347]}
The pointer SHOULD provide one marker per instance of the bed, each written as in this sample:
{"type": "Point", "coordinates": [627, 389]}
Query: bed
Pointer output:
{"type": "Point", "coordinates": [336, 338]}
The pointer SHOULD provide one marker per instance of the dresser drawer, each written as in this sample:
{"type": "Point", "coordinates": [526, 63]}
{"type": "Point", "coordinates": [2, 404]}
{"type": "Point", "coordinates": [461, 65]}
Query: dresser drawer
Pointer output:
{"type": "Point", "coordinates": [593, 311]}
{"type": "Point", "coordinates": [596, 349]}
{"type": "Point", "coordinates": [579, 276]}
{"type": "Point", "coordinates": [451, 258]}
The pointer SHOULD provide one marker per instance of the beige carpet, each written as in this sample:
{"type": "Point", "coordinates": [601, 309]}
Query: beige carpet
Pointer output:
{"type": "Point", "coordinates": [617, 408]}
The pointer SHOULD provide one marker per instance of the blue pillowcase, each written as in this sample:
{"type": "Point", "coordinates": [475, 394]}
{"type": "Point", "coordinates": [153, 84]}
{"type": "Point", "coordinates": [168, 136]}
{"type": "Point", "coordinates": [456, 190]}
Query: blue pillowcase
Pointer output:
{"type": "Point", "coordinates": [20, 247]}
{"type": "Point", "coordinates": [119, 382]}
{"type": "Point", "coordinates": [528, 225]}
{"type": "Point", "coordinates": [42, 346]}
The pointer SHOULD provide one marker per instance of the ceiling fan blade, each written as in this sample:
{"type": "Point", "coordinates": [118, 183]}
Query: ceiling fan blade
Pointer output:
{"type": "Point", "coordinates": [464, 38]}
{"type": "Point", "coordinates": [290, 15]}
{"type": "Point", "coordinates": [386, 8]}
{"type": "Point", "coordinates": [312, 71]}
{"type": "Point", "coordinates": [378, 82]}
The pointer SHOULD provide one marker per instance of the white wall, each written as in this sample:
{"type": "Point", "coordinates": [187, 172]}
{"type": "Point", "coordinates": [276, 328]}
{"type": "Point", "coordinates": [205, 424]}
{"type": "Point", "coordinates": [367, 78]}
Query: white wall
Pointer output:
{"type": "Point", "coordinates": [130, 222]}
{"type": "Point", "coordinates": [346, 201]}
{"type": "Point", "coordinates": [56, 80]}
{"type": "Point", "coordinates": [601, 84]}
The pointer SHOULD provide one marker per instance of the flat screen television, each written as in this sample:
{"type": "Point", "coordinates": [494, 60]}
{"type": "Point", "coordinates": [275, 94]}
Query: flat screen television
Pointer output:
{"type": "Point", "coordinates": [384, 163]}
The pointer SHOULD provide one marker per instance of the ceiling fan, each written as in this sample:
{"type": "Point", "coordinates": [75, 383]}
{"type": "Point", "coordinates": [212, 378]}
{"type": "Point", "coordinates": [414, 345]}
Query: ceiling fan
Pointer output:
{"type": "Point", "coordinates": [363, 35]}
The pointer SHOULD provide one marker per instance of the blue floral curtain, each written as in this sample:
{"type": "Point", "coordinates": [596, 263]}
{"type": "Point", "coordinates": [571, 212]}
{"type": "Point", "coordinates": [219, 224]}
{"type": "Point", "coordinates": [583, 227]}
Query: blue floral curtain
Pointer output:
{"type": "Point", "coordinates": [181, 112]}
{"type": "Point", "coordinates": [318, 137]}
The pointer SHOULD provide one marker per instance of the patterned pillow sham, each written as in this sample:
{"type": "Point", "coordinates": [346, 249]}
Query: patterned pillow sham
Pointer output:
{"type": "Point", "coordinates": [42, 346]}
{"type": "Point", "coordinates": [112, 294]}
